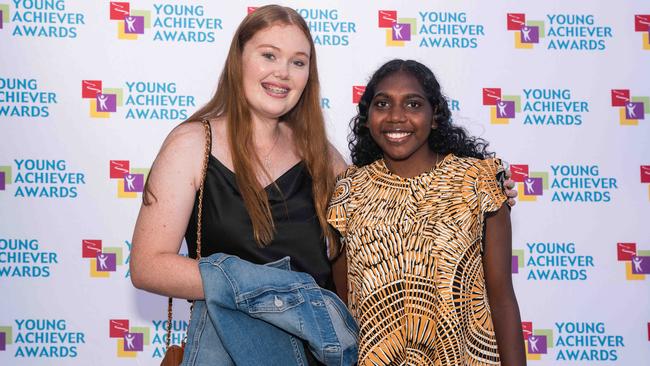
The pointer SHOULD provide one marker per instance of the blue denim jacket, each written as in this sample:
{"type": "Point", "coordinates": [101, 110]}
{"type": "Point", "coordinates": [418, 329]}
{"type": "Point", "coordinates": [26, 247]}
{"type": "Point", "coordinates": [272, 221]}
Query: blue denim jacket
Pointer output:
{"type": "Point", "coordinates": [261, 314]}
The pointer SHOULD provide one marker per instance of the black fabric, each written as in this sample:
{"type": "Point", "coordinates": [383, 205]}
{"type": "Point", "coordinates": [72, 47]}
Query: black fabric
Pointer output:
{"type": "Point", "coordinates": [227, 228]}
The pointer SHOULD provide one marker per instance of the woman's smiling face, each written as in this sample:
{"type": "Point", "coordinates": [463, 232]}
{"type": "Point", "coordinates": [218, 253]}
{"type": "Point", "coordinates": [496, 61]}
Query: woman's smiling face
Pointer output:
{"type": "Point", "coordinates": [275, 67]}
{"type": "Point", "coordinates": [400, 119]}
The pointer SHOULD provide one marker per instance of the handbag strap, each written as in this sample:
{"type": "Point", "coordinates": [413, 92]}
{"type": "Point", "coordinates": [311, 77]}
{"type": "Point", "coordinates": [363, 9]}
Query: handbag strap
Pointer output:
{"type": "Point", "coordinates": [199, 214]}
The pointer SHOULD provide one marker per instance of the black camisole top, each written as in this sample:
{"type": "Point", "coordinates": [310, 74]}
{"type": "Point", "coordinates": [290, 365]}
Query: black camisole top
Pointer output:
{"type": "Point", "coordinates": [227, 228]}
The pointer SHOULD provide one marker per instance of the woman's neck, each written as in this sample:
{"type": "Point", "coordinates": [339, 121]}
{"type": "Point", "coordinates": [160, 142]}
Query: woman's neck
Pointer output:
{"type": "Point", "coordinates": [265, 131]}
{"type": "Point", "coordinates": [413, 166]}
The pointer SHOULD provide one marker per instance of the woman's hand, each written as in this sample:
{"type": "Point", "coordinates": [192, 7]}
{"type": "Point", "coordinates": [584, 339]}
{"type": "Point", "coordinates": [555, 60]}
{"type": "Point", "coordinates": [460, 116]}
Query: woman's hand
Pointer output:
{"type": "Point", "coordinates": [509, 187]}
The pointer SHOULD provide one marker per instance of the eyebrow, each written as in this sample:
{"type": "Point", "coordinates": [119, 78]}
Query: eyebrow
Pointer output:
{"type": "Point", "coordinates": [277, 49]}
{"type": "Point", "coordinates": [411, 95]}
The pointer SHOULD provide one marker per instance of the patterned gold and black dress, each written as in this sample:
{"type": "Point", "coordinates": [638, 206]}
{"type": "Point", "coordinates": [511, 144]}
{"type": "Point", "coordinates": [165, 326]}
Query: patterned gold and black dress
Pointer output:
{"type": "Point", "coordinates": [415, 273]}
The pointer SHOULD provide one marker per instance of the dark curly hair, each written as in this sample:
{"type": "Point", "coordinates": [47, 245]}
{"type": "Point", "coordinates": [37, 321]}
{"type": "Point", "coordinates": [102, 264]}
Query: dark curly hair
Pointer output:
{"type": "Point", "coordinates": [446, 138]}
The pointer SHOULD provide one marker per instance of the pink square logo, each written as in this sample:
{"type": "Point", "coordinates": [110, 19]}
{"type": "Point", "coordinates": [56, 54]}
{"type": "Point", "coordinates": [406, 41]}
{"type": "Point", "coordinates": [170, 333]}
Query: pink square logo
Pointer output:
{"type": "Point", "coordinates": [519, 172]}
{"type": "Point", "coordinates": [118, 168]}
{"type": "Point", "coordinates": [516, 21]}
{"type": "Point", "coordinates": [527, 329]}
{"type": "Point", "coordinates": [620, 97]}
{"type": "Point", "coordinates": [357, 93]}
{"type": "Point", "coordinates": [90, 88]}
{"type": "Point", "coordinates": [119, 10]}
{"type": "Point", "coordinates": [645, 173]}
{"type": "Point", "coordinates": [625, 251]}
{"type": "Point", "coordinates": [491, 96]}
{"type": "Point", "coordinates": [642, 23]}
{"type": "Point", "coordinates": [386, 18]}
{"type": "Point", "coordinates": [117, 328]}
{"type": "Point", "coordinates": [90, 248]}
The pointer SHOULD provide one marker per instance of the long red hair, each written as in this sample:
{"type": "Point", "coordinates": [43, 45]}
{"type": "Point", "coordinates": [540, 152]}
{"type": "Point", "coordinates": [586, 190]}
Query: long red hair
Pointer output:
{"type": "Point", "coordinates": [305, 119]}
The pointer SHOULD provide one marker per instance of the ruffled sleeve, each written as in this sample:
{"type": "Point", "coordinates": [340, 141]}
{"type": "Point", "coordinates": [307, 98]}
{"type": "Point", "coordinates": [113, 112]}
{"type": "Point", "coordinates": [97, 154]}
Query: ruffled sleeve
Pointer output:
{"type": "Point", "coordinates": [489, 189]}
{"type": "Point", "coordinates": [338, 208]}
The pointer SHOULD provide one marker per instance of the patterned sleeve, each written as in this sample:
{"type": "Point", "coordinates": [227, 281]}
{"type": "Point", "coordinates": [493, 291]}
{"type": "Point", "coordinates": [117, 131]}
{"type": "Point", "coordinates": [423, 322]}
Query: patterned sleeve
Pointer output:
{"type": "Point", "coordinates": [337, 210]}
{"type": "Point", "coordinates": [489, 188]}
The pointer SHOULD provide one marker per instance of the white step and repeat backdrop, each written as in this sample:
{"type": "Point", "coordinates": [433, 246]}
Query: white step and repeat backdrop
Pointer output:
{"type": "Point", "coordinates": [89, 89]}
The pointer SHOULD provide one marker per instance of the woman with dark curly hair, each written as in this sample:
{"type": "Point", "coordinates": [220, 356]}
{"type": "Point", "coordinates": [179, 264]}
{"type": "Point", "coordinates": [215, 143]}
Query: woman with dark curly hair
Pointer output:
{"type": "Point", "coordinates": [444, 139]}
{"type": "Point", "coordinates": [426, 231]}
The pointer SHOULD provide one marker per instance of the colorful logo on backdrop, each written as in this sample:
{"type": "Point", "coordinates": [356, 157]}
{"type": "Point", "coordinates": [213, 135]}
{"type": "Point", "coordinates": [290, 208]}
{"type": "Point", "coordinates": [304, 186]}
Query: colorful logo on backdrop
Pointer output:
{"type": "Point", "coordinates": [637, 262]}
{"type": "Point", "coordinates": [25, 258]}
{"type": "Point", "coordinates": [40, 19]}
{"type": "Point", "coordinates": [503, 108]}
{"type": "Point", "coordinates": [103, 101]}
{"type": "Point", "coordinates": [631, 109]}
{"type": "Point", "coordinates": [530, 184]}
{"type": "Point", "coordinates": [6, 337]}
{"type": "Point", "coordinates": [527, 33]}
{"type": "Point", "coordinates": [435, 29]}
{"type": "Point", "coordinates": [552, 261]}
{"type": "Point", "coordinates": [537, 341]}
{"type": "Point", "coordinates": [645, 176]}
{"type": "Point", "coordinates": [180, 23]}
{"type": "Point", "coordinates": [4, 15]}
{"type": "Point", "coordinates": [357, 93]}
{"type": "Point", "coordinates": [539, 107]}
{"type": "Point", "coordinates": [642, 25]}
{"type": "Point", "coordinates": [130, 340]}
{"type": "Point", "coordinates": [24, 98]}
{"type": "Point", "coordinates": [572, 341]}
{"type": "Point", "coordinates": [398, 30]}
{"type": "Point", "coordinates": [130, 22]}
{"type": "Point", "coordinates": [104, 260]}
{"type": "Point", "coordinates": [571, 32]}
{"type": "Point", "coordinates": [148, 100]}
{"type": "Point", "coordinates": [566, 183]}
{"type": "Point", "coordinates": [130, 181]}
{"type": "Point", "coordinates": [328, 27]}
{"type": "Point", "coordinates": [41, 338]}
{"type": "Point", "coordinates": [40, 178]}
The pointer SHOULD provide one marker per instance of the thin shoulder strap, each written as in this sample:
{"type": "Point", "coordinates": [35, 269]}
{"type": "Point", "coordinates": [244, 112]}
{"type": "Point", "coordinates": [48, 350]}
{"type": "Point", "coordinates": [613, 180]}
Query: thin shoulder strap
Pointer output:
{"type": "Point", "coordinates": [209, 133]}
{"type": "Point", "coordinates": [206, 158]}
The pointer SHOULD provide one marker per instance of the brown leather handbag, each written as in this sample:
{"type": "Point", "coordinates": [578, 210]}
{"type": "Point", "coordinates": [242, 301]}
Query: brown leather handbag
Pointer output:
{"type": "Point", "coordinates": [174, 352]}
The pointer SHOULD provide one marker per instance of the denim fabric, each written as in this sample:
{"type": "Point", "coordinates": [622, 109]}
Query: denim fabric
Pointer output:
{"type": "Point", "coordinates": [203, 346]}
{"type": "Point", "coordinates": [261, 314]}
{"type": "Point", "coordinates": [204, 337]}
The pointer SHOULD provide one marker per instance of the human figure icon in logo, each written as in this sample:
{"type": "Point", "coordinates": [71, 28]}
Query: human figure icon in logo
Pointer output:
{"type": "Point", "coordinates": [532, 340]}
{"type": "Point", "coordinates": [129, 178]}
{"type": "Point", "coordinates": [398, 31]}
{"type": "Point", "coordinates": [637, 264]}
{"type": "Point", "coordinates": [130, 24]}
{"type": "Point", "coordinates": [101, 98]}
{"type": "Point", "coordinates": [525, 31]}
{"type": "Point", "coordinates": [631, 110]}
{"type": "Point", "coordinates": [502, 108]}
{"type": "Point", "coordinates": [529, 185]}
{"type": "Point", "coordinates": [102, 261]}
{"type": "Point", "coordinates": [129, 341]}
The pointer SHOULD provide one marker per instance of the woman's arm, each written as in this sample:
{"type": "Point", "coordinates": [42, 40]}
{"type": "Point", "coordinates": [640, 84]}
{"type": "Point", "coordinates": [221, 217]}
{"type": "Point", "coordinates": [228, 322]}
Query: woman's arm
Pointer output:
{"type": "Point", "coordinates": [174, 179]}
{"type": "Point", "coordinates": [340, 263]}
{"type": "Point", "coordinates": [340, 275]}
{"type": "Point", "coordinates": [497, 264]}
